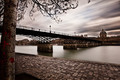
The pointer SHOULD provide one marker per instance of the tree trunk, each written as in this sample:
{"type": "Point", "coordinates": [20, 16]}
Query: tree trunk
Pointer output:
{"type": "Point", "coordinates": [7, 52]}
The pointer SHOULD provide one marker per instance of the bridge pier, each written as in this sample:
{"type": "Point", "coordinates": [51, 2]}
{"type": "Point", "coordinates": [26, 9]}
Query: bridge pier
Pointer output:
{"type": "Point", "coordinates": [87, 45]}
{"type": "Point", "coordinates": [45, 48]}
{"type": "Point", "coordinates": [70, 46]}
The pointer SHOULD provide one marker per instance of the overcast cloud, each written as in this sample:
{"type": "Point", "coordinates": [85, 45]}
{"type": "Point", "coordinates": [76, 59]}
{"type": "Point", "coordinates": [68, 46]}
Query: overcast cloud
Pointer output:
{"type": "Point", "coordinates": [85, 19]}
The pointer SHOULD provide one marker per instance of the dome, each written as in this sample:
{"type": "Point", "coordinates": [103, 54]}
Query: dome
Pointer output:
{"type": "Point", "coordinates": [103, 34]}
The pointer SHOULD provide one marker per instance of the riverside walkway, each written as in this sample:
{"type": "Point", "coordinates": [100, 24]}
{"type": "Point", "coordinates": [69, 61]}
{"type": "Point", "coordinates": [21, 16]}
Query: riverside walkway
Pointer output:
{"type": "Point", "coordinates": [48, 68]}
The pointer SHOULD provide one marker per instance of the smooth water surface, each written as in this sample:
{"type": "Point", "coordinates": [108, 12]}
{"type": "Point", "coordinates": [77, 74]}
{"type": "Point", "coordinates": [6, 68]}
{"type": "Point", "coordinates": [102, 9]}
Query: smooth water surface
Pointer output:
{"type": "Point", "coordinates": [109, 54]}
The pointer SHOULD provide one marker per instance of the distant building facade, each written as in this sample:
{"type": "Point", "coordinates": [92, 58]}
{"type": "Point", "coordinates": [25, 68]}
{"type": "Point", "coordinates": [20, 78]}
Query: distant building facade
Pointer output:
{"type": "Point", "coordinates": [103, 34]}
{"type": "Point", "coordinates": [114, 40]}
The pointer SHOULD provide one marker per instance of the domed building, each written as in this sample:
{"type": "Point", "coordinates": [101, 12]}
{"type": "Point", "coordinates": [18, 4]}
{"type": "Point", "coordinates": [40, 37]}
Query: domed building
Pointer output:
{"type": "Point", "coordinates": [103, 34]}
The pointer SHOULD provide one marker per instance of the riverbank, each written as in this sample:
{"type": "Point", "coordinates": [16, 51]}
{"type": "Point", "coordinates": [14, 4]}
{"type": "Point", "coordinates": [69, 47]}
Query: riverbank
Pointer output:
{"type": "Point", "coordinates": [49, 68]}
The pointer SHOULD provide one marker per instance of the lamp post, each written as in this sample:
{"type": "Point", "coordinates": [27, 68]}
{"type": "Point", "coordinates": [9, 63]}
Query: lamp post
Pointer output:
{"type": "Point", "coordinates": [50, 28]}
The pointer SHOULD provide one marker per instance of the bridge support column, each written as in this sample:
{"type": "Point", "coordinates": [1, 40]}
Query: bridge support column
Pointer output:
{"type": "Point", "coordinates": [70, 46]}
{"type": "Point", "coordinates": [82, 45]}
{"type": "Point", "coordinates": [45, 48]}
{"type": "Point", "coordinates": [87, 45]}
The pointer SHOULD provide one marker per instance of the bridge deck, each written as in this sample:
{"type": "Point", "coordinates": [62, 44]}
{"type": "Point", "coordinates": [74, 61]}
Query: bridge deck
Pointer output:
{"type": "Point", "coordinates": [34, 32]}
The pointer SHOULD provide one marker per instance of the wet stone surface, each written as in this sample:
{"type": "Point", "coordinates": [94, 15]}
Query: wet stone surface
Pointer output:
{"type": "Point", "coordinates": [48, 68]}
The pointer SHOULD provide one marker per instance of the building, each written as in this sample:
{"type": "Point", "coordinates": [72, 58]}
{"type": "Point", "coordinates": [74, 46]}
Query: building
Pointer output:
{"type": "Point", "coordinates": [103, 34]}
{"type": "Point", "coordinates": [114, 40]}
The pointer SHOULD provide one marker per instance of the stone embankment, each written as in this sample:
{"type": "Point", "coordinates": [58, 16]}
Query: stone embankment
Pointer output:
{"type": "Point", "coordinates": [48, 68]}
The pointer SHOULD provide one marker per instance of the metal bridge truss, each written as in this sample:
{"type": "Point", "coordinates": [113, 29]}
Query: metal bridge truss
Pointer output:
{"type": "Point", "coordinates": [42, 39]}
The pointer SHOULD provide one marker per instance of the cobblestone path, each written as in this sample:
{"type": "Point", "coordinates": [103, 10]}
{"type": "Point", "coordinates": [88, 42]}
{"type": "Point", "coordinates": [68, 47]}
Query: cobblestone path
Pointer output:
{"type": "Point", "coordinates": [48, 68]}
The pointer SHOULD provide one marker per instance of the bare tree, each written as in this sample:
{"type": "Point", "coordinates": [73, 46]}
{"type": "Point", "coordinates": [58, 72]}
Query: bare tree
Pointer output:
{"type": "Point", "coordinates": [49, 8]}
{"type": "Point", "coordinates": [7, 52]}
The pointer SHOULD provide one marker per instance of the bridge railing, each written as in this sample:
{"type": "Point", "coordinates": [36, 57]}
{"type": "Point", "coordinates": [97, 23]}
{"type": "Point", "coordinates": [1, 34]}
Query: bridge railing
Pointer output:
{"type": "Point", "coordinates": [37, 29]}
{"type": "Point", "coordinates": [31, 28]}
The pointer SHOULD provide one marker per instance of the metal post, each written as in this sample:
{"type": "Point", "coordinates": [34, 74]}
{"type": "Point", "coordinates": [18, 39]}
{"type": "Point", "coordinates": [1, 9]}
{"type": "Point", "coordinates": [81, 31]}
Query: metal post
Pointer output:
{"type": "Point", "coordinates": [75, 33]}
{"type": "Point", "coordinates": [50, 28]}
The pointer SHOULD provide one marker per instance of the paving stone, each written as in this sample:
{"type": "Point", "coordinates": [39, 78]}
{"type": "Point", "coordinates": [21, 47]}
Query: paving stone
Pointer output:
{"type": "Point", "coordinates": [90, 73]}
{"type": "Point", "coordinates": [48, 68]}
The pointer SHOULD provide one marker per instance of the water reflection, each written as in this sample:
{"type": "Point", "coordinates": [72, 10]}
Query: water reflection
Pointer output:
{"type": "Point", "coordinates": [45, 54]}
{"type": "Point", "coordinates": [108, 54]}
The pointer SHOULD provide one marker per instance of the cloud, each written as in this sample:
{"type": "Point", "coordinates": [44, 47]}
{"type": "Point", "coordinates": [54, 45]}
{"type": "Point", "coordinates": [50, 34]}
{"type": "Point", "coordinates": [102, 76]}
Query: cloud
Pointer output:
{"type": "Point", "coordinates": [85, 19]}
{"type": "Point", "coordinates": [96, 26]}
{"type": "Point", "coordinates": [114, 32]}
{"type": "Point", "coordinates": [105, 17]}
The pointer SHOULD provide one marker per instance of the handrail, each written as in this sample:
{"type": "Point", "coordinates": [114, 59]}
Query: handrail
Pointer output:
{"type": "Point", "coordinates": [37, 29]}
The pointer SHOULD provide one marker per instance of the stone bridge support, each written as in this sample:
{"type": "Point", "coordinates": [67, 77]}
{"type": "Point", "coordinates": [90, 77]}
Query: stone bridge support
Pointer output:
{"type": "Point", "coordinates": [45, 48]}
{"type": "Point", "coordinates": [74, 44]}
{"type": "Point", "coordinates": [87, 45]}
{"type": "Point", "coordinates": [70, 46]}
{"type": "Point", "coordinates": [82, 45]}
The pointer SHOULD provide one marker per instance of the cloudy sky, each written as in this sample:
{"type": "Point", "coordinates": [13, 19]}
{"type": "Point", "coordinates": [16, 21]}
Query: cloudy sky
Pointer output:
{"type": "Point", "coordinates": [85, 19]}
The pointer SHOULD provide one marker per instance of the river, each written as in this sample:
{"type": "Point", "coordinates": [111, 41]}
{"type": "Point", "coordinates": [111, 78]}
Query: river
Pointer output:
{"type": "Point", "coordinates": [108, 54]}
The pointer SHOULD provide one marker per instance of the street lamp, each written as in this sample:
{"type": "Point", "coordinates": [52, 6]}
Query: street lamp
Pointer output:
{"type": "Point", "coordinates": [75, 33]}
{"type": "Point", "coordinates": [50, 28]}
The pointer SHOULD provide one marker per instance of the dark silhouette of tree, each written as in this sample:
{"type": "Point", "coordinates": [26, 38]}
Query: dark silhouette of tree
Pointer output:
{"type": "Point", "coordinates": [12, 11]}
{"type": "Point", "coordinates": [49, 8]}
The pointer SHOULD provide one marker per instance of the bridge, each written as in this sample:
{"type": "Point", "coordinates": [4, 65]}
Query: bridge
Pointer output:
{"type": "Point", "coordinates": [45, 37]}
